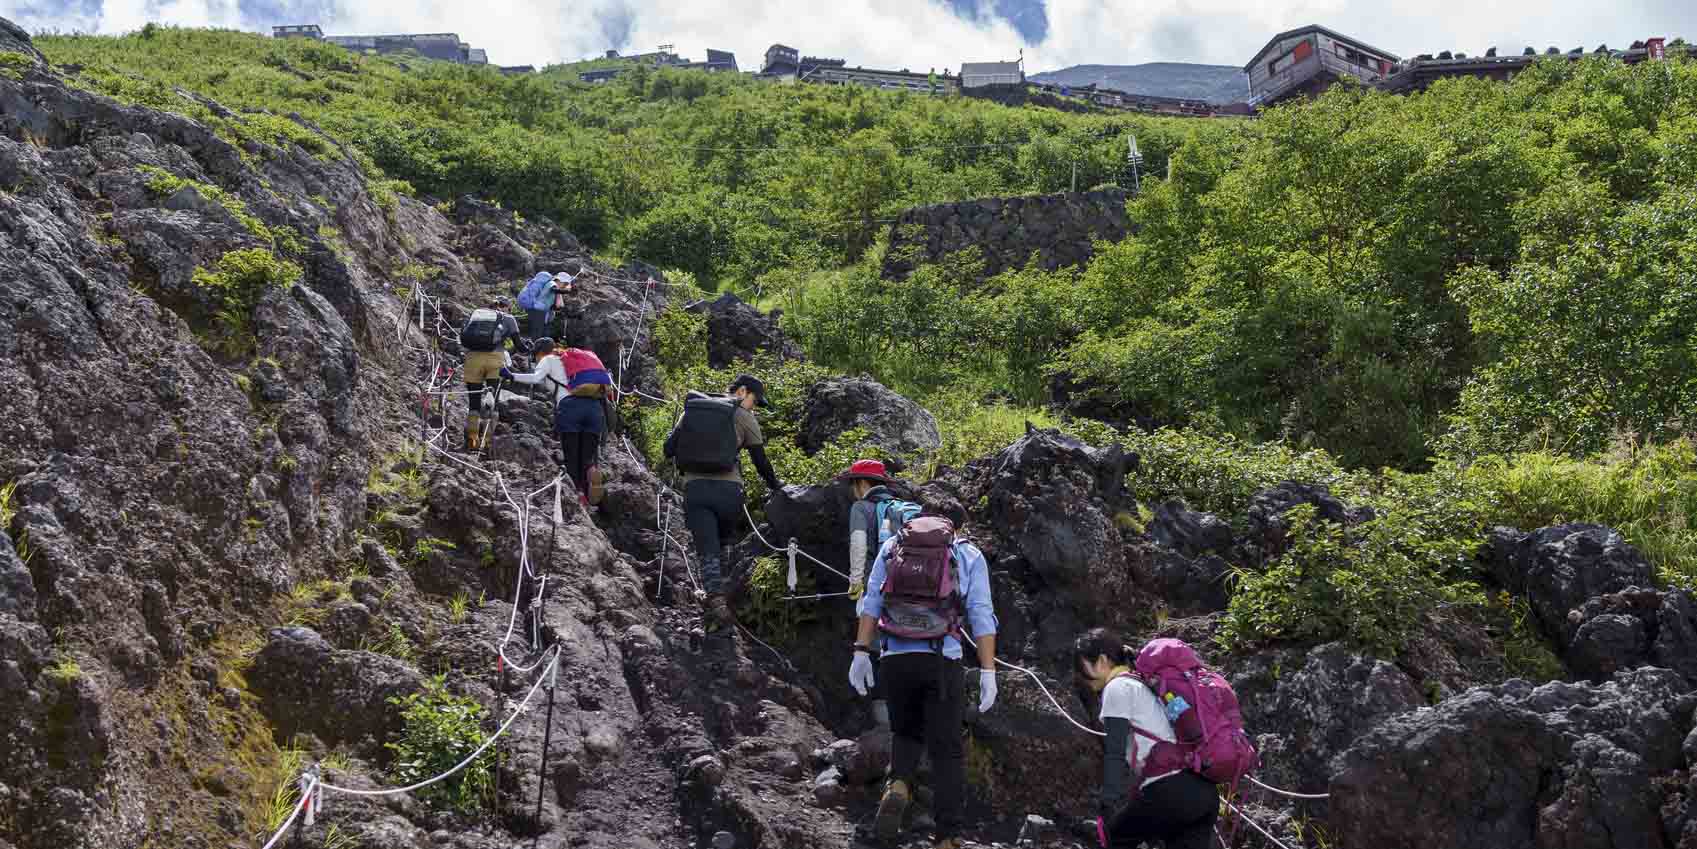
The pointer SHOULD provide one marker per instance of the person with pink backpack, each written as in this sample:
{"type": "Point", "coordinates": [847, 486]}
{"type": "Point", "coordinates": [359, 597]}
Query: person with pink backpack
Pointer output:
{"type": "Point", "coordinates": [582, 389]}
{"type": "Point", "coordinates": [1175, 732]}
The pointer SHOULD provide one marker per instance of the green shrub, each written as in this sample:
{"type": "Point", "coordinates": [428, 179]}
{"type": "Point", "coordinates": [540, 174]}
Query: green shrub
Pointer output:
{"type": "Point", "coordinates": [235, 284]}
{"type": "Point", "coordinates": [439, 729]}
{"type": "Point", "coordinates": [766, 607]}
{"type": "Point", "coordinates": [1369, 585]}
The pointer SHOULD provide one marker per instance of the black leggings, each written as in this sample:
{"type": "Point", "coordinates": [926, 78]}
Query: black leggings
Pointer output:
{"type": "Point", "coordinates": [712, 510]}
{"type": "Point", "coordinates": [1178, 810]}
{"type": "Point", "coordinates": [925, 693]}
{"type": "Point", "coordinates": [579, 451]}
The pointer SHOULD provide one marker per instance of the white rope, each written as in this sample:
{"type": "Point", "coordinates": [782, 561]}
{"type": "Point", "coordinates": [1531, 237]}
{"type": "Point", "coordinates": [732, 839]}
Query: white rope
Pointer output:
{"type": "Point", "coordinates": [469, 758]}
{"type": "Point", "coordinates": [299, 806]}
{"type": "Point", "coordinates": [779, 654]}
{"type": "Point", "coordinates": [813, 597]}
{"type": "Point", "coordinates": [1287, 793]}
{"type": "Point", "coordinates": [785, 549]}
{"type": "Point", "coordinates": [1253, 824]}
{"type": "Point", "coordinates": [1039, 682]}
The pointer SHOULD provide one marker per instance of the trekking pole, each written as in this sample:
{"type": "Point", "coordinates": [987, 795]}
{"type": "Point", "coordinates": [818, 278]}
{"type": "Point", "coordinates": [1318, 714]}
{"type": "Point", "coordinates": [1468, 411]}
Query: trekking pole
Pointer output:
{"type": "Point", "coordinates": [547, 738]}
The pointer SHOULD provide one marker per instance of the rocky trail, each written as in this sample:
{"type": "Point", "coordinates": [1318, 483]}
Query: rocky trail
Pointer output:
{"type": "Point", "coordinates": [225, 554]}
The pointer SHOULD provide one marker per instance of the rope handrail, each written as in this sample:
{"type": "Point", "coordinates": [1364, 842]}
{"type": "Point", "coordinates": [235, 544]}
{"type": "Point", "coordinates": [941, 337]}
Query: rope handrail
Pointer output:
{"type": "Point", "coordinates": [799, 550]}
{"type": "Point", "coordinates": [306, 797]}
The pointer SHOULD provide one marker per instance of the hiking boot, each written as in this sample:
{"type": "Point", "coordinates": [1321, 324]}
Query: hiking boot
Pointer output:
{"type": "Point", "coordinates": [891, 808]}
{"type": "Point", "coordinates": [716, 613]}
{"type": "Point", "coordinates": [473, 430]}
{"type": "Point", "coordinates": [947, 843]}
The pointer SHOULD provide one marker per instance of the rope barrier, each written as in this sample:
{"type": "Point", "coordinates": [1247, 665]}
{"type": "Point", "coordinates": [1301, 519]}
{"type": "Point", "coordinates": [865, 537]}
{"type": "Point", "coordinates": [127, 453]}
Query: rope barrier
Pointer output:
{"type": "Point", "coordinates": [786, 548]}
{"type": "Point", "coordinates": [1255, 825]}
{"type": "Point", "coordinates": [306, 798]}
{"type": "Point", "coordinates": [1287, 793]}
{"type": "Point", "coordinates": [517, 710]}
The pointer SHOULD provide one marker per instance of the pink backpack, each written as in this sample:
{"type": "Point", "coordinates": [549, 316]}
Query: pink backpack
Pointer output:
{"type": "Point", "coordinates": [1204, 713]}
{"type": "Point", "coordinates": [921, 599]}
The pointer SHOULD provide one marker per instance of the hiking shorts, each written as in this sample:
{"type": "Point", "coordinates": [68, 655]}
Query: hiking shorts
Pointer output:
{"type": "Point", "coordinates": [579, 415]}
{"type": "Point", "coordinates": [484, 366]}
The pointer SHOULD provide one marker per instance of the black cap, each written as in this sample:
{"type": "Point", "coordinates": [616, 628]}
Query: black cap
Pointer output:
{"type": "Point", "coordinates": [541, 344]}
{"type": "Point", "coordinates": [752, 384]}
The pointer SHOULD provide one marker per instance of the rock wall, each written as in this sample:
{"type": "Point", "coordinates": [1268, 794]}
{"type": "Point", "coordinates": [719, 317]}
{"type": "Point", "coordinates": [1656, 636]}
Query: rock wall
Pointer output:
{"type": "Point", "coordinates": [1060, 230]}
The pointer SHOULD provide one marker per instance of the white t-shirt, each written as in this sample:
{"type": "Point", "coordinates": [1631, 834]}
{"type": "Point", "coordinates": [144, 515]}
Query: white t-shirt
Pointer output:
{"type": "Point", "coordinates": [1130, 699]}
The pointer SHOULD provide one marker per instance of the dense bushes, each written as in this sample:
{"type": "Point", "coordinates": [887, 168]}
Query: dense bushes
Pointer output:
{"type": "Point", "coordinates": [440, 730]}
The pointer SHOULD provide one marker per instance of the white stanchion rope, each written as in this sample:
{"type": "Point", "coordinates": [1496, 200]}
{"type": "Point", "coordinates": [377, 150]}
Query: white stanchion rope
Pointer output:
{"type": "Point", "coordinates": [306, 798]}
{"type": "Point", "coordinates": [786, 549]}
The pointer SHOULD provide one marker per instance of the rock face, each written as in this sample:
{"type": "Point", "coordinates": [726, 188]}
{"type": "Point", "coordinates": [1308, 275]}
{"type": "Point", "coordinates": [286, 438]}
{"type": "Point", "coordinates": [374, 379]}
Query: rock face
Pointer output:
{"type": "Point", "coordinates": [1629, 629]}
{"type": "Point", "coordinates": [737, 332]}
{"type": "Point", "coordinates": [1517, 767]}
{"type": "Point", "coordinates": [890, 421]}
{"type": "Point", "coordinates": [1558, 568]}
{"type": "Point", "coordinates": [1059, 230]}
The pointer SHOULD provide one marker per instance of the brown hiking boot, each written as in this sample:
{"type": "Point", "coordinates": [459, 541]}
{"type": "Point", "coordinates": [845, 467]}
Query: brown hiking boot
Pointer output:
{"type": "Point", "coordinates": [891, 808]}
{"type": "Point", "coordinates": [716, 613]}
{"type": "Point", "coordinates": [947, 843]}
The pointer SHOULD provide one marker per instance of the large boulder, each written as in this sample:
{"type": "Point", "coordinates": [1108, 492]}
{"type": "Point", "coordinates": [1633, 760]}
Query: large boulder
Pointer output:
{"type": "Point", "coordinates": [1632, 628]}
{"type": "Point", "coordinates": [1303, 707]}
{"type": "Point", "coordinates": [1513, 767]}
{"type": "Point", "coordinates": [306, 685]}
{"type": "Point", "coordinates": [737, 332]}
{"type": "Point", "coordinates": [1559, 568]}
{"type": "Point", "coordinates": [891, 422]}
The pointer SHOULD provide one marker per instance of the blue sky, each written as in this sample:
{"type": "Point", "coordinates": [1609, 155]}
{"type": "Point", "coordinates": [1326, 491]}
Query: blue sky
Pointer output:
{"type": "Point", "coordinates": [917, 34]}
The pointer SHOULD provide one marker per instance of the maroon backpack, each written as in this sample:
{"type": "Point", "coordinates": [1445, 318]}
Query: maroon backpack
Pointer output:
{"type": "Point", "coordinates": [921, 596]}
{"type": "Point", "coordinates": [1204, 713]}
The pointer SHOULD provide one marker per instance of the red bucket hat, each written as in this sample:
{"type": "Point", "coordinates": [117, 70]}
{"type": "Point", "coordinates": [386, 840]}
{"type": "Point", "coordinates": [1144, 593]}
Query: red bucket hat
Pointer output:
{"type": "Point", "coordinates": [871, 470]}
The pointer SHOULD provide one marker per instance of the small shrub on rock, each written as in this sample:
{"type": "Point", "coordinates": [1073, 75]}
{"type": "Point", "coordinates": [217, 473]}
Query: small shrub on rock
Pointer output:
{"type": "Point", "coordinates": [440, 730]}
{"type": "Point", "coordinates": [1369, 584]}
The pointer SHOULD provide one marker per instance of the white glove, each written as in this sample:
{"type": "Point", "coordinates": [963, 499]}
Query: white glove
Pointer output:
{"type": "Point", "coordinates": [986, 689]}
{"type": "Point", "coordinates": [860, 672]}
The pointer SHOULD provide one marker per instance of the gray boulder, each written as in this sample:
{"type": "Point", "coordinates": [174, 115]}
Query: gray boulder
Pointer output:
{"type": "Point", "coordinates": [305, 685]}
{"type": "Point", "coordinates": [1559, 568]}
{"type": "Point", "coordinates": [891, 422]}
{"type": "Point", "coordinates": [1512, 767]}
{"type": "Point", "coordinates": [737, 332]}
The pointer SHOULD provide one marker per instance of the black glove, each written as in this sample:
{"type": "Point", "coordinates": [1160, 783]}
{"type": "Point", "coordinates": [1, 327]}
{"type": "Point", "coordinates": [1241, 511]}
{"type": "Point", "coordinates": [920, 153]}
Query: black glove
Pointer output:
{"type": "Point", "coordinates": [506, 373]}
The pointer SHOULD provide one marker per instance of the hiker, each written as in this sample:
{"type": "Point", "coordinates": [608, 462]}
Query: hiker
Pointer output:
{"type": "Point", "coordinates": [543, 297]}
{"type": "Point", "coordinates": [1150, 795]}
{"type": "Point", "coordinates": [924, 581]}
{"type": "Point", "coordinates": [876, 515]}
{"type": "Point", "coordinates": [581, 387]}
{"type": "Point", "coordinates": [485, 337]}
{"type": "Point", "coordinates": [705, 444]}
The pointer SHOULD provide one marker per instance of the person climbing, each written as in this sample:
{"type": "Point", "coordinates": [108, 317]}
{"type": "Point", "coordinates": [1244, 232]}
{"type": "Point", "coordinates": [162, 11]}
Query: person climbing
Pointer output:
{"type": "Point", "coordinates": [1169, 803]}
{"type": "Point", "coordinates": [542, 299]}
{"type": "Point", "coordinates": [876, 515]}
{"type": "Point", "coordinates": [924, 581]}
{"type": "Point", "coordinates": [485, 337]}
{"type": "Point", "coordinates": [705, 444]}
{"type": "Point", "coordinates": [581, 387]}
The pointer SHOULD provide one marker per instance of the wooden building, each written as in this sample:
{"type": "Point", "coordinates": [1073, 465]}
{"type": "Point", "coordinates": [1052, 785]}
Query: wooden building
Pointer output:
{"type": "Point", "coordinates": [1306, 60]}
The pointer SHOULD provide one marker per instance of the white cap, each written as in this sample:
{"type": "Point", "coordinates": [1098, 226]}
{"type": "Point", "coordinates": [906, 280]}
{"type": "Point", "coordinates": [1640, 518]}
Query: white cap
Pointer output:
{"type": "Point", "coordinates": [563, 277]}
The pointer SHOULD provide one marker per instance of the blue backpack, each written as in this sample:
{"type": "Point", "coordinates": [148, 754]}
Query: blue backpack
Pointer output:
{"type": "Point", "coordinates": [536, 296]}
{"type": "Point", "coordinates": [893, 514]}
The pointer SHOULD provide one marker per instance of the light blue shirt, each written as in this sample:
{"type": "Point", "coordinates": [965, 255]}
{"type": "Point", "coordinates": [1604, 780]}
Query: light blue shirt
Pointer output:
{"type": "Point", "coordinates": [972, 576]}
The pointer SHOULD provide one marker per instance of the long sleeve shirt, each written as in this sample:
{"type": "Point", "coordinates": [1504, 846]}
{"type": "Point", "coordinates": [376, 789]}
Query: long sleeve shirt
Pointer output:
{"type": "Point", "coordinates": [549, 367]}
{"type": "Point", "coordinates": [863, 538]}
{"type": "Point", "coordinates": [973, 577]}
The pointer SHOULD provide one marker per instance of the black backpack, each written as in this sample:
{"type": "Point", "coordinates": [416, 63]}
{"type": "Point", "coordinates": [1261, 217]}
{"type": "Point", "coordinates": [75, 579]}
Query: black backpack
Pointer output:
{"type": "Point", "coordinates": [482, 332]}
{"type": "Point", "coordinates": [705, 441]}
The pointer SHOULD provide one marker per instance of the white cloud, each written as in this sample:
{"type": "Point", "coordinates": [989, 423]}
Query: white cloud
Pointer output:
{"type": "Point", "coordinates": [920, 35]}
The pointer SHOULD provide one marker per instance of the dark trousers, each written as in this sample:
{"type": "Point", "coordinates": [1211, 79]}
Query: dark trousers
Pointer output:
{"type": "Point", "coordinates": [712, 509]}
{"type": "Point", "coordinates": [580, 450]}
{"type": "Point", "coordinates": [538, 321]}
{"type": "Point", "coordinates": [924, 691]}
{"type": "Point", "coordinates": [1178, 810]}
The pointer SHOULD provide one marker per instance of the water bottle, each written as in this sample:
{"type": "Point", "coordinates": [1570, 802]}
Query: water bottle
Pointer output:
{"type": "Point", "coordinates": [1175, 706]}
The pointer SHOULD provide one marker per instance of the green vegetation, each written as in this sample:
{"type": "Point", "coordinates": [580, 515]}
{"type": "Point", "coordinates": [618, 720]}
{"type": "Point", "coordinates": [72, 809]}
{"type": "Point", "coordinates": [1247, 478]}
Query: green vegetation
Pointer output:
{"type": "Point", "coordinates": [766, 607]}
{"type": "Point", "coordinates": [235, 285]}
{"type": "Point", "coordinates": [65, 669]}
{"type": "Point", "coordinates": [720, 175]}
{"type": "Point", "coordinates": [440, 730]}
{"type": "Point", "coordinates": [13, 64]}
{"type": "Point", "coordinates": [164, 184]}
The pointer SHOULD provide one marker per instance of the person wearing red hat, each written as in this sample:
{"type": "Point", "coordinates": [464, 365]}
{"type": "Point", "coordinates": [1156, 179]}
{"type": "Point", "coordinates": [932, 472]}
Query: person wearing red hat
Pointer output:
{"type": "Point", "coordinates": [875, 516]}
